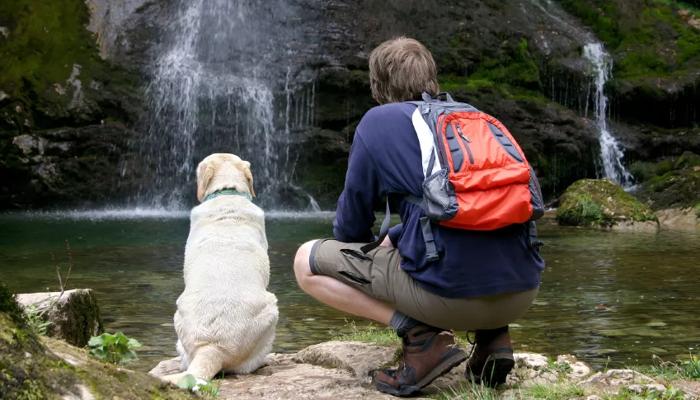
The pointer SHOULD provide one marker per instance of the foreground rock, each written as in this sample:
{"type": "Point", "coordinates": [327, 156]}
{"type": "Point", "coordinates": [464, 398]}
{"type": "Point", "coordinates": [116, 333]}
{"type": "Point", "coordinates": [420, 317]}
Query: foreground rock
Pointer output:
{"type": "Point", "coordinates": [73, 315]}
{"type": "Point", "coordinates": [601, 203]}
{"type": "Point", "coordinates": [45, 368]}
{"type": "Point", "coordinates": [339, 370]}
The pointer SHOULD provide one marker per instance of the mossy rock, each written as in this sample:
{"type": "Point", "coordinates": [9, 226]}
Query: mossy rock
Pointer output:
{"type": "Point", "coordinates": [600, 203]}
{"type": "Point", "coordinates": [32, 367]}
{"type": "Point", "coordinates": [671, 183]}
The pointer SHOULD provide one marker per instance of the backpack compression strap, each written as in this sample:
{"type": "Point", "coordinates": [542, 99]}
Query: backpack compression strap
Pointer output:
{"type": "Point", "coordinates": [383, 231]}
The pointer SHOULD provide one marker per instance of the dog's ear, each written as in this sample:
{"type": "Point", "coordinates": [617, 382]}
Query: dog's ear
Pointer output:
{"type": "Point", "coordinates": [248, 177]}
{"type": "Point", "coordinates": [205, 173]}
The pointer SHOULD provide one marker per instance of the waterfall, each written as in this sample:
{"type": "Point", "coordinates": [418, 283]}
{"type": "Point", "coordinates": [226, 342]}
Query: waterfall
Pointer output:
{"type": "Point", "coordinates": [610, 151]}
{"type": "Point", "coordinates": [225, 80]}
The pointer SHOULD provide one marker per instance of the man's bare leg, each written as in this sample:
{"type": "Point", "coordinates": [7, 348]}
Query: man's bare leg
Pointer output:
{"type": "Point", "coordinates": [336, 294]}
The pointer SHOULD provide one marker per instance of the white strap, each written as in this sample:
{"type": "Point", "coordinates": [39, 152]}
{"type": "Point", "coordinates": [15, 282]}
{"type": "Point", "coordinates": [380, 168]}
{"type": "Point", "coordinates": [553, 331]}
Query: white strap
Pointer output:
{"type": "Point", "coordinates": [426, 139]}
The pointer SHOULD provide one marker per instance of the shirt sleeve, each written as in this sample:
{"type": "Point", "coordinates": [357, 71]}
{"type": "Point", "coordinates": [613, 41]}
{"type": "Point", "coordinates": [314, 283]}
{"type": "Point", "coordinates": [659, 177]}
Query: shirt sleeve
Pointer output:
{"type": "Point", "coordinates": [394, 233]}
{"type": "Point", "coordinates": [354, 216]}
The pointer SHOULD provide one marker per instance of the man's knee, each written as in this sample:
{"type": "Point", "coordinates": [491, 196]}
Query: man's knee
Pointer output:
{"type": "Point", "coordinates": [302, 268]}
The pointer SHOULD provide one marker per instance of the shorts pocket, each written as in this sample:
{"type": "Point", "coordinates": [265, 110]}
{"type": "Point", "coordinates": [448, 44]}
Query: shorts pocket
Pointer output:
{"type": "Point", "coordinates": [355, 278]}
{"type": "Point", "coordinates": [357, 266]}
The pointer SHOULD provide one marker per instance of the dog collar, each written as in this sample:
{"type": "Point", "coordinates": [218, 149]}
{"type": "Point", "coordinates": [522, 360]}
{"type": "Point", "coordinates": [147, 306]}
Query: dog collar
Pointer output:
{"type": "Point", "coordinates": [224, 192]}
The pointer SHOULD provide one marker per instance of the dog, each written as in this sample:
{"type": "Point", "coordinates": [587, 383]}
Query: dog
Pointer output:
{"type": "Point", "coordinates": [225, 318]}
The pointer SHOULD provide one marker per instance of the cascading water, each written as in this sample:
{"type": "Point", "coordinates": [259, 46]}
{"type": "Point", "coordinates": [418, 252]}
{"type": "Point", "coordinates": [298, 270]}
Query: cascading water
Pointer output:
{"type": "Point", "coordinates": [226, 81]}
{"type": "Point", "coordinates": [611, 153]}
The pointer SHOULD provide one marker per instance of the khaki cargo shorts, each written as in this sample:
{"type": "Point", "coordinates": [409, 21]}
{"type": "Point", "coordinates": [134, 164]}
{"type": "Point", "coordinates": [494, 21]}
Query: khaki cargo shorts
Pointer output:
{"type": "Point", "coordinates": [379, 275]}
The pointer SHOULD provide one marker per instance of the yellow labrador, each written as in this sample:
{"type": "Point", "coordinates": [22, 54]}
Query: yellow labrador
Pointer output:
{"type": "Point", "coordinates": [225, 318]}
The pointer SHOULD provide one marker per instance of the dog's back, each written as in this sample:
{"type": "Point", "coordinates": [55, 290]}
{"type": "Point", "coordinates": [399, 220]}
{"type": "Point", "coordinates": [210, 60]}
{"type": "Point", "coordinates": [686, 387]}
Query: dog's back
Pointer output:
{"type": "Point", "coordinates": [225, 318]}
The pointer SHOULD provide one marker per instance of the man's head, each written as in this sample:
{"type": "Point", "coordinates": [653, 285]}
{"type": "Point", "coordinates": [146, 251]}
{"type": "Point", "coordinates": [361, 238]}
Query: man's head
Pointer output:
{"type": "Point", "coordinates": [401, 69]}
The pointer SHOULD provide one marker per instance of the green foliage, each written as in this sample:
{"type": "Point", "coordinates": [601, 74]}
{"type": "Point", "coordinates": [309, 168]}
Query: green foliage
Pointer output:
{"type": "Point", "coordinates": [582, 211]}
{"type": "Point", "coordinates": [682, 369]}
{"type": "Point", "coordinates": [515, 67]}
{"type": "Point", "coordinates": [563, 391]}
{"type": "Point", "coordinates": [371, 333]}
{"type": "Point", "coordinates": [114, 348]}
{"type": "Point", "coordinates": [205, 388]}
{"type": "Point", "coordinates": [668, 394]}
{"type": "Point", "coordinates": [469, 392]}
{"type": "Point", "coordinates": [649, 38]}
{"type": "Point", "coordinates": [559, 367]}
{"type": "Point", "coordinates": [35, 320]}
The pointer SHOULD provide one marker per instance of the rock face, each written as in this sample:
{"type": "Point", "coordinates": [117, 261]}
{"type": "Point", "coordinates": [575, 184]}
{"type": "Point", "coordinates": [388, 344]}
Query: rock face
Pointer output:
{"type": "Point", "coordinates": [601, 203]}
{"type": "Point", "coordinates": [74, 315]}
{"type": "Point", "coordinates": [519, 60]}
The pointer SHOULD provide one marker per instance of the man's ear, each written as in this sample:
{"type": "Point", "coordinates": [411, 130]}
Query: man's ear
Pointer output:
{"type": "Point", "coordinates": [248, 177]}
{"type": "Point", "coordinates": [205, 173]}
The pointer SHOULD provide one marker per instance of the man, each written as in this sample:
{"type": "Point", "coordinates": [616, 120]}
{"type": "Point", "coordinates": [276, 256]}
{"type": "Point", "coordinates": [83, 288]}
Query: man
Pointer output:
{"type": "Point", "coordinates": [482, 280]}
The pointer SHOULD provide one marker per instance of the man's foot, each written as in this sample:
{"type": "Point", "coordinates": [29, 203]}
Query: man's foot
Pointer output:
{"type": "Point", "coordinates": [491, 359]}
{"type": "Point", "coordinates": [427, 354]}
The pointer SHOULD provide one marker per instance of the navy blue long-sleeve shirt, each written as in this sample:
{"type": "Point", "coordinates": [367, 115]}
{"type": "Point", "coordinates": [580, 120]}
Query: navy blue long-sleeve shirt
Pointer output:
{"type": "Point", "coordinates": [385, 158]}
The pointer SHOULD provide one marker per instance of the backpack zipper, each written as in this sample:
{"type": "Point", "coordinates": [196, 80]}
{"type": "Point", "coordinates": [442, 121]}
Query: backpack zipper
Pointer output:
{"type": "Point", "coordinates": [466, 142]}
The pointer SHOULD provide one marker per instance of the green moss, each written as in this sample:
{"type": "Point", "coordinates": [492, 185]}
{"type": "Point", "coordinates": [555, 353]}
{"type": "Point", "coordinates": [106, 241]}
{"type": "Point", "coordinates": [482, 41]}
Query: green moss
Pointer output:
{"type": "Point", "coordinates": [649, 39]}
{"type": "Point", "coordinates": [673, 182]}
{"type": "Point", "coordinates": [45, 40]}
{"type": "Point", "coordinates": [515, 67]}
{"type": "Point", "coordinates": [591, 202]}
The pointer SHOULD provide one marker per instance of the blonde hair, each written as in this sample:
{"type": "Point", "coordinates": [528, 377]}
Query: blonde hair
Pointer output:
{"type": "Point", "coordinates": [401, 69]}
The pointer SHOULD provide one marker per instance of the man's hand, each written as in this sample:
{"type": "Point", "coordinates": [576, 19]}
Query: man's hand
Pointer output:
{"type": "Point", "coordinates": [386, 242]}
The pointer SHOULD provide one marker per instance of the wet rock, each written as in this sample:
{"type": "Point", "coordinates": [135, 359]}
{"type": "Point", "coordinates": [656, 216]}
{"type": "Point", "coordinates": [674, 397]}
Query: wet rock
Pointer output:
{"type": "Point", "coordinates": [601, 203]}
{"type": "Point", "coordinates": [74, 315]}
{"type": "Point", "coordinates": [577, 370]}
{"type": "Point", "coordinates": [66, 167]}
{"type": "Point", "coordinates": [355, 357]}
{"type": "Point", "coordinates": [681, 219]}
{"type": "Point", "coordinates": [619, 378]}
{"type": "Point", "coordinates": [531, 369]}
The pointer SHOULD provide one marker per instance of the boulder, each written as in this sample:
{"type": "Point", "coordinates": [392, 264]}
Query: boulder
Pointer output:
{"type": "Point", "coordinates": [73, 315]}
{"type": "Point", "coordinates": [601, 203]}
{"type": "Point", "coordinates": [680, 219]}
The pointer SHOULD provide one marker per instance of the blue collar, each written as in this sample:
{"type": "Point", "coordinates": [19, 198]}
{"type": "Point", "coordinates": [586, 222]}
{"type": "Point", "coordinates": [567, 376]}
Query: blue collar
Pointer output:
{"type": "Point", "coordinates": [223, 192]}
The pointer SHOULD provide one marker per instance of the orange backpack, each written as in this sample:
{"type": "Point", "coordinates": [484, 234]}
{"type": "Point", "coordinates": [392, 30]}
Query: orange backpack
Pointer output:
{"type": "Point", "coordinates": [476, 175]}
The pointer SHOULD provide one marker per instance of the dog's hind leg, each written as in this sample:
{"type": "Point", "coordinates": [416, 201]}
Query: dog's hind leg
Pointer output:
{"type": "Point", "coordinates": [206, 362]}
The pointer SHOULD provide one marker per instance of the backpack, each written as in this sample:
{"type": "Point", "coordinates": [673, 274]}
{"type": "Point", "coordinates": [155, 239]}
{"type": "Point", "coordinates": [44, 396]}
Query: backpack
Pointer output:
{"type": "Point", "coordinates": [476, 175]}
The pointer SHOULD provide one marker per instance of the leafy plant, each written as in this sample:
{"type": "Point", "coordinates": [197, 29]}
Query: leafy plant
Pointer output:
{"type": "Point", "coordinates": [35, 320]}
{"type": "Point", "coordinates": [206, 388]}
{"type": "Point", "coordinates": [115, 348]}
{"type": "Point", "coordinates": [687, 369]}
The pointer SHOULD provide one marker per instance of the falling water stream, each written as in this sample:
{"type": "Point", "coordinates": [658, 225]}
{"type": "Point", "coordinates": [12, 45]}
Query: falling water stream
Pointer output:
{"type": "Point", "coordinates": [611, 153]}
{"type": "Point", "coordinates": [224, 83]}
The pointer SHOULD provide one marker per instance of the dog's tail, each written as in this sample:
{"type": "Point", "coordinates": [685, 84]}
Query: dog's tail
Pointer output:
{"type": "Point", "coordinates": [206, 362]}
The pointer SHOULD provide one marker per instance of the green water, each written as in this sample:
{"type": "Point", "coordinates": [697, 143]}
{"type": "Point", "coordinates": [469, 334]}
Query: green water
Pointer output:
{"type": "Point", "coordinates": [611, 299]}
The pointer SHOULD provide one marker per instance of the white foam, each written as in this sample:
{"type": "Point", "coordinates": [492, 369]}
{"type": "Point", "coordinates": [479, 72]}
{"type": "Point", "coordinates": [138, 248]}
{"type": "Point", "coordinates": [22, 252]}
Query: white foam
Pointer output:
{"type": "Point", "coordinates": [116, 214]}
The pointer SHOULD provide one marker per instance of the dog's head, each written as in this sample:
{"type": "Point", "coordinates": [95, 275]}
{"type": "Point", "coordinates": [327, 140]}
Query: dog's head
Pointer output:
{"type": "Point", "coordinates": [223, 171]}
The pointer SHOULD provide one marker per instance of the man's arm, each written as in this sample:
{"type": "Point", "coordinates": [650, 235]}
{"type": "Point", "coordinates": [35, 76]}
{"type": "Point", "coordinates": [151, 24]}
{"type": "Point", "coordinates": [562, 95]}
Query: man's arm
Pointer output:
{"type": "Point", "coordinates": [355, 211]}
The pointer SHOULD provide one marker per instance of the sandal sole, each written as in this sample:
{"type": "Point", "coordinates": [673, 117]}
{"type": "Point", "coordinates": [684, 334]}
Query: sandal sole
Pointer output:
{"type": "Point", "coordinates": [451, 360]}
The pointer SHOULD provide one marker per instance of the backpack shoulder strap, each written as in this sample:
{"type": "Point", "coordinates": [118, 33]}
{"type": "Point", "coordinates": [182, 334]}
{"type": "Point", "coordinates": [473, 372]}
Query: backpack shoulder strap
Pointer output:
{"type": "Point", "coordinates": [383, 231]}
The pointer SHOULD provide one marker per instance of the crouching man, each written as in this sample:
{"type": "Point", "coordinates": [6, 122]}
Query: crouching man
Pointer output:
{"type": "Point", "coordinates": [481, 281]}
